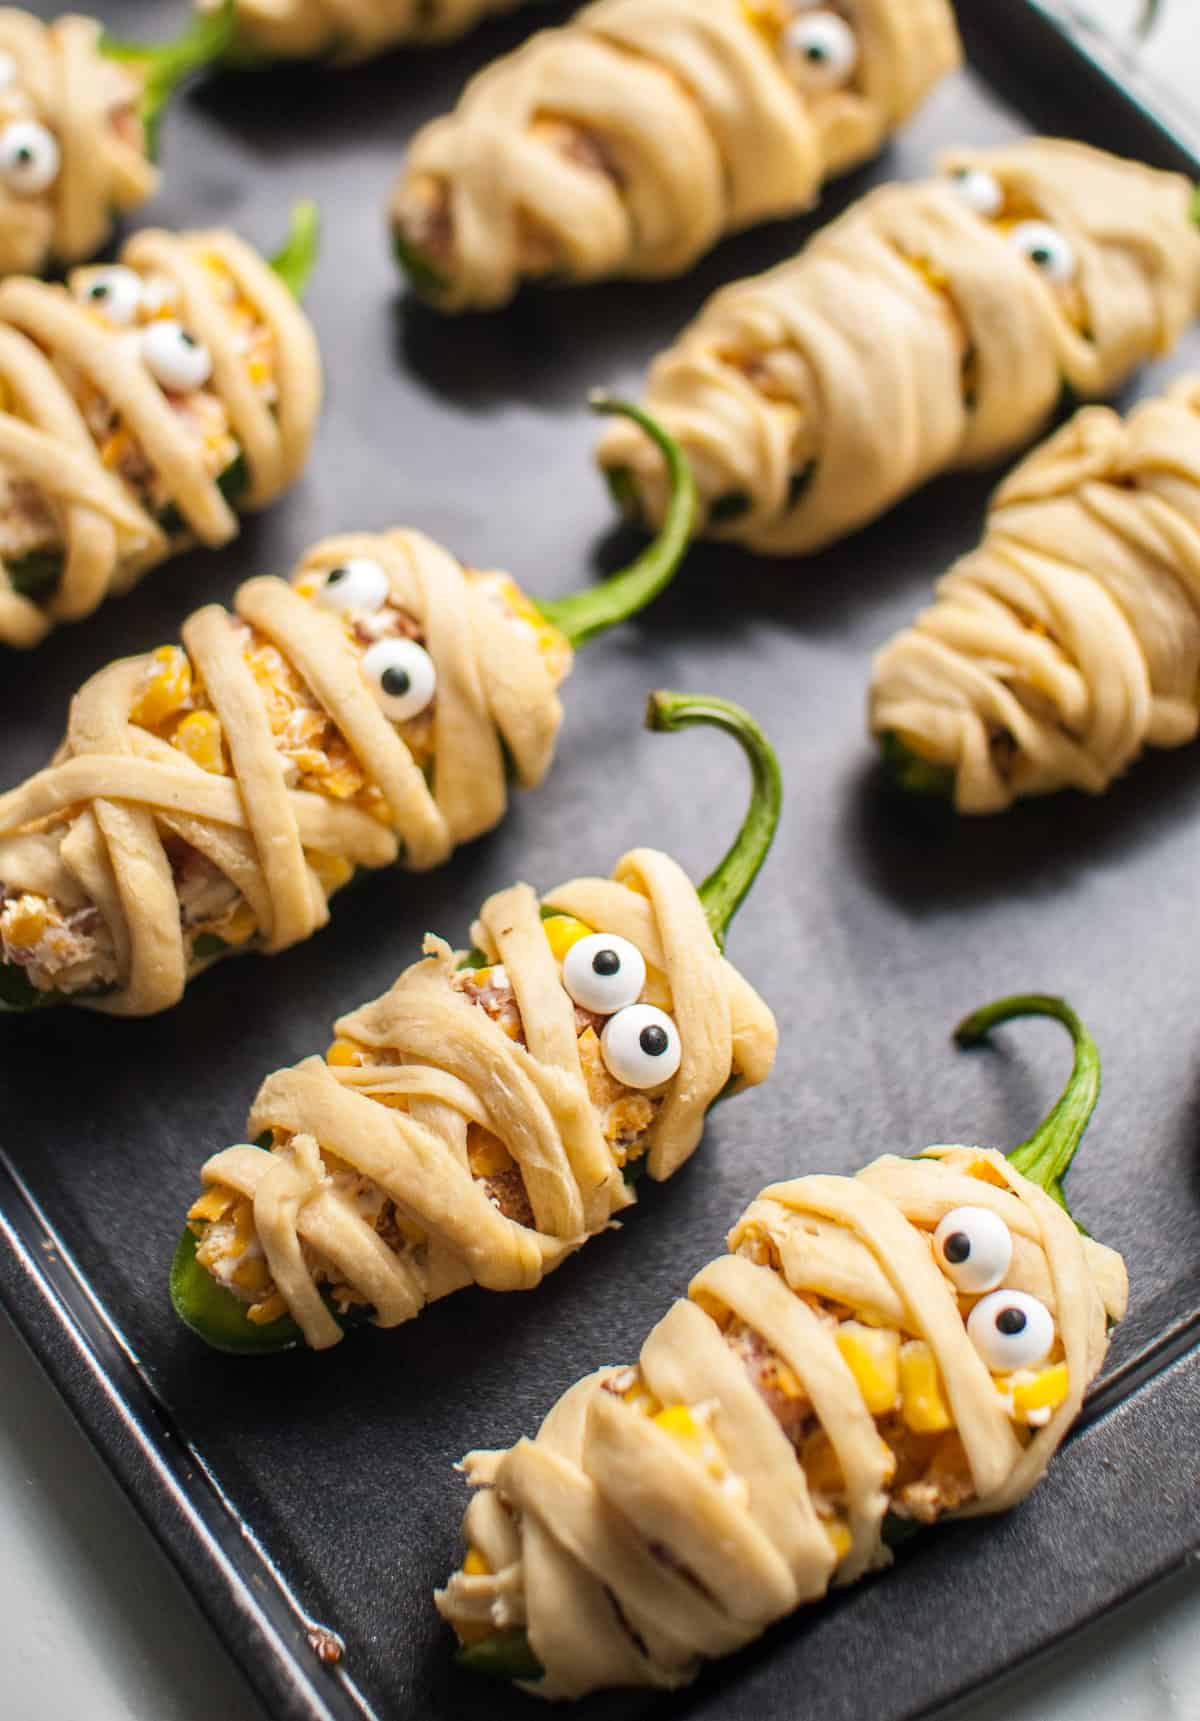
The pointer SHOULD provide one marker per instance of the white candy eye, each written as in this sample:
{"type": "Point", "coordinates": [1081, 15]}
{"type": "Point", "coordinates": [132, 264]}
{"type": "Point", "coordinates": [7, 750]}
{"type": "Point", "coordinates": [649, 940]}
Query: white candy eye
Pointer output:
{"type": "Point", "coordinates": [1046, 249]}
{"type": "Point", "coordinates": [355, 584]}
{"type": "Point", "coordinates": [980, 191]}
{"type": "Point", "coordinates": [820, 50]}
{"type": "Point", "coordinates": [974, 1247]}
{"type": "Point", "coordinates": [604, 973]}
{"type": "Point", "coordinates": [640, 1046]}
{"type": "Point", "coordinates": [175, 359]}
{"type": "Point", "coordinates": [116, 292]}
{"type": "Point", "coordinates": [402, 677]}
{"type": "Point", "coordinates": [1011, 1330]}
{"type": "Point", "coordinates": [29, 157]}
{"type": "Point", "coordinates": [8, 71]}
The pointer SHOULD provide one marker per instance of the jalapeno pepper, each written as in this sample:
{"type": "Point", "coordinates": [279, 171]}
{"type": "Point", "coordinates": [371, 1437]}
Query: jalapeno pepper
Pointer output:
{"type": "Point", "coordinates": [216, 1315]}
{"type": "Point", "coordinates": [1044, 1159]}
{"type": "Point", "coordinates": [165, 66]}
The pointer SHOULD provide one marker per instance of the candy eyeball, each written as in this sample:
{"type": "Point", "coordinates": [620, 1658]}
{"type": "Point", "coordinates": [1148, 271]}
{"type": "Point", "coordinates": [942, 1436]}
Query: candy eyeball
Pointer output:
{"type": "Point", "coordinates": [358, 583]}
{"type": "Point", "coordinates": [974, 1248]}
{"type": "Point", "coordinates": [402, 677]}
{"type": "Point", "coordinates": [819, 49]}
{"type": "Point", "coordinates": [117, 293]}
{"type": "Point", "coordinates": [604, 973]}
{"type": "Point", "coordinates": [1011, 1330]}
{"type": "Point", "coordinates": [979, 190]}
{"type": "Point", "coordinates": [640, 1046]}
{"type": "Point", "coordinates": [1046, 248]}
{"type": "Point", "coordinates": [29, 157]}
{"type": "Point", "coordinates": [175, 359]}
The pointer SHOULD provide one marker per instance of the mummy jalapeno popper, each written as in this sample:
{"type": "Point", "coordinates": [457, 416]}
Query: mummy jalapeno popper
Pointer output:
{"type": "Point", "coordinates": [210, 797]}
{"type": "Point", "coordinates": [627, 142]}
{"type": "Point", "coordinates": [142, 406]}
{"type": "Point", "coordinates": [79, 118]}
{"type": "Point", "coordinates": [932, 326]}
{"type": "Point", "coordinates": [907, 1344]}
{"type": "Point", "coordinates": [486, 1116]}
{"type": "Point", "coordinates": [347, 30]}
{"type": "Point", "coordinates": [1070, 639]}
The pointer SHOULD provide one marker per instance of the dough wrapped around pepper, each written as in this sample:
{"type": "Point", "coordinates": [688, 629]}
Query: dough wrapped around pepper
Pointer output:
{"type": "Point", "coordinates": [349, 30]}
{"type": "Point", "coordinates": [1070, 639]}
{"type": "Point", "coordinates": [211, 797]}
{"type": "Point", "coordinates": [932, 326]}
{"type": "Point", "coordinates": [627, 142]}
{"type": "Point", "coordinates": [907, 1344]}
{"type": "Point", "coordinates": [483, 1118]}
{"type": "Point", "coordinates": [140, 405]}
{"type": "Point", "coordinates": [79, 118]}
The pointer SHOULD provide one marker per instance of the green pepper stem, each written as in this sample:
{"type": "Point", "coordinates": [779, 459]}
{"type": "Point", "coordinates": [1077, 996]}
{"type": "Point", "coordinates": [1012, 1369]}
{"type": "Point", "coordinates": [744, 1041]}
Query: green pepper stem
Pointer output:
{"type": "Point", "coordinates": [584, 614]}
{"type": "Point", "coordinates": [164, 67]}
{"type": "Point", "coordinates": [296, 258]}
{"type": "Point", "coordinates": [725, 887]}
{"type": "Point", "coordinates": [503, 1655]}
{"type": "Point", "coordinates": [1046, 1156]}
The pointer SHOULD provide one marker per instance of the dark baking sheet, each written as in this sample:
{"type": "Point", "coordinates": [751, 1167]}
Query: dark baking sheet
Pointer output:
{"type": "Point", "coordinates": [315, 1494]}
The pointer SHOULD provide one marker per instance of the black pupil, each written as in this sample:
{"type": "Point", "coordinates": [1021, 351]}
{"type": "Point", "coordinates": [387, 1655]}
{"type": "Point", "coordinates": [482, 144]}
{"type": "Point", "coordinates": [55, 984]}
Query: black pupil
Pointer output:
{"type": "Point", "coordinates": [334, 575]}
{"type": "Point", "coordinates": [816, 52]}
{"type": "Point", "coordinates": [1010, 1322]}
{"type": "Point", "coordinates": [24, 155]}
{"type": "Point", "coordinates": [100, 290]}
{"type": "Point", "coordinates": [957, 1248]}
{"type": "Point", "coordinates": [606, 962]}
{"type": "Point", "coordinates": [396, 682]}
{"type": "Point", "coordinates": [186, 339]}
{"type": "Point", "coordinates": [653, 1040]}
{"type": "Point", "coordinates": [1042, 256]}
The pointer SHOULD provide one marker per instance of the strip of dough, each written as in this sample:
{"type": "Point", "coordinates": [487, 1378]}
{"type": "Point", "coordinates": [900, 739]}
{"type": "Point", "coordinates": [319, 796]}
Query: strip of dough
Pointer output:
{"type": "Point", "coordinates": [351, 30]}
{"type": "Point", "coordinates": [98, 815]}
{"type": "Point", "coordinates": [628, 1555]}
{"type": "Point", "coordinates": [109, 538]}
{"type": "Point", "coordinates": [88, 103]}
{"type": "Point", "coordinates": [629, 141]}
{"type": "Point", "coordinates": [912, 336]}
{"type": "Point", "coordinates": [1069, 641]}
{"type": "Point", "coordinates": [437, 1063]}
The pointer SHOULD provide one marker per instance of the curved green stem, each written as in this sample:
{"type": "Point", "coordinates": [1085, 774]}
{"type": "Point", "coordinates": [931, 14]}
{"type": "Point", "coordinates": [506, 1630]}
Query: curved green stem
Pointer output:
{"type": "Point", "coordinates": [725, 887]}
{"type": "Point", "coordinates": [165, 67]}
{"type": "Point", "coordinates": [296, 258]}
{"type": "Point", "coordinates": [1046, 1156]}
{"type": "Point", "coordinates": [584, 614]}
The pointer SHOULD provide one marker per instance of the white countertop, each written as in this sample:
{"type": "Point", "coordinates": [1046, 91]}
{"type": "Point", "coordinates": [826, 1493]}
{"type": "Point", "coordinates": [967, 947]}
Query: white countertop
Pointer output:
{"type": "Point", "coordinates": [99, 1628]}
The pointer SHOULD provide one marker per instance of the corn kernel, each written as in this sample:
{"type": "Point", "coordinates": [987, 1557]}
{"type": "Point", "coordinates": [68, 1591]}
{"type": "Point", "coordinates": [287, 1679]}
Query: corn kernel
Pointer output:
{"type": "Point", "coordinates": [201, 737]}
{"type": "Point", "coordinates": [487, 1153]}
{"type": "Point", "coordinates": [475, 1565]}
{"type": "Point", "coordinates": [252, 1274]}
{"type": "Point", "coordinates": [678, 1421]}
{"type": "Point", "coordinates": [873, 1358]}
{"type": "Point", "coordinates": [562, 931]}
{"type": "Point", "coordinates": [1044, 1392]}
{"type": "Point", "coordinates": [262, 1314]}
{"type": "Point", "coordinates": [26, 923]}
{"type": "Point", "coordinates": [333, 871]}
{"type": "Point", "coordinates": [822, 1467]}
{"type": "Point", "coordinates": [924, 1408]}
{"type": "Point", "coordinates": [839, 1536]}
{"type": "Point", "coordinates": [166, 687]}
{"type": "Point", "coordinates": [342, 1054]}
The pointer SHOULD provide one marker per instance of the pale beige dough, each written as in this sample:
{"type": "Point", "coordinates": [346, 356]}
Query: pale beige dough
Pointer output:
{"type": "Point", "coordinates": [682, 123]}
{"type": "Point", "coordinates": [453, 1066]}
{"type": "Point", "coordinates": [92, 824]}
{"type": "Point", "coordinates": [65, 83]}
{"type": "Point", "coordinates": [820, 393]}
{"type": "Point", "coordinates": [1069, 641]}
{"type": "Point", "coordinates": [350, 30]}
{"type": "Point", "coordinates": [569, 1522]}
{"type": "Point", "coordinates": [110, 540]}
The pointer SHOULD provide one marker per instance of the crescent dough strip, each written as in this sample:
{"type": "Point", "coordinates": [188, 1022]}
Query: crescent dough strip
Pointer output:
{"type": "Point", "coordinates": [631, 139]}
{"type": "Point", "coordinates": [465, 1126]}
{"type": "Point", "coordinates": [108, 466]}
{"type": "Point", "coordinates": [1070, 639]}
{"type": "Point", "coordinates": [88, 103]}
{"type": "Point", "coordinates": [931, 326]}
{"type": "Point", "coordinates": [351, 30]}
{"type": "Point", "coordinates": [212, 797]}
{"type": "Point", "coordinates": [673, 1510]}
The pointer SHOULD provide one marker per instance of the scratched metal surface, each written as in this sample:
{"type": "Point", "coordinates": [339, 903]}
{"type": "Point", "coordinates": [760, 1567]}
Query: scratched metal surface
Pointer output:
{"type": "Point", "coordinates": [321, 1488]}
